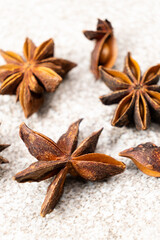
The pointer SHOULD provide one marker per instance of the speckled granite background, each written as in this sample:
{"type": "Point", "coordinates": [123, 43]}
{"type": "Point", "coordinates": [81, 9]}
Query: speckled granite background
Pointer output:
{"type": "Point", "coordinates": [126, 206]}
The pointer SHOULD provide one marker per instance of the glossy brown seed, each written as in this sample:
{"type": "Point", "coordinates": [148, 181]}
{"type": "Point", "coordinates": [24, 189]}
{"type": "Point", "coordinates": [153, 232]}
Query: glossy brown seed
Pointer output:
{"type": "Point", "coordinates": [105, 50]}
{"type": "Point", "coordinates": [146, 157]}
{"type": "Point", "coordinates": [58, 159]}
{"type": "Point", "coordinates": [138, 96]}
{"type": "Point", "coordinates": [31, 76]}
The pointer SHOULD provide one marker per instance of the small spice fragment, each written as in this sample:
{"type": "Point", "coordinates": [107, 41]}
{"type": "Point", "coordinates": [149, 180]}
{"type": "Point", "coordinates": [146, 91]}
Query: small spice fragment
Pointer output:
{"type": "Point", "coordinates": [146, 157]}
{"type": "Point", "coordinates": [30, 76]}
{"type": "Point", "coordinates": [58, 159]}
{"type": "Point", "coordinates": [105, 51]}
{"type": "Point", "coordinates": [2, 147]}
{"type": "Point", "coordinates": [138, 96]}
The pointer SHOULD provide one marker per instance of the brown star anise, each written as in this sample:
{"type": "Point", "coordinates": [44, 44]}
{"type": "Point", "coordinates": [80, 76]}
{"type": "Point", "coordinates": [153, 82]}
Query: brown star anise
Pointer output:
{"type": "Point", "coordinates": [105, 51]}
{"type": "Point", "coordinates": [58, 159]}
{"type": "Point", "coordinates": [138, 96]}
{"type": "Point", "coordinates": [146, 157]}
{"type": "Point", "coordinates": [29, 77]}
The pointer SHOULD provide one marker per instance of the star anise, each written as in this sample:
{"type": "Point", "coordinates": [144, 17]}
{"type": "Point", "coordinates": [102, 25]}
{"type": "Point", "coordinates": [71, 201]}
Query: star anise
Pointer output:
{"type": "Point", "coordinates": [58, 159]}
{"type": "Point", "coordinates": [146, 157]}
{"type": "Point", "coordinates": [105, 51]}
{"type": "Point", "coordinates": [138, 96]}
{"type": "Point", "coordinates": [30, 76]}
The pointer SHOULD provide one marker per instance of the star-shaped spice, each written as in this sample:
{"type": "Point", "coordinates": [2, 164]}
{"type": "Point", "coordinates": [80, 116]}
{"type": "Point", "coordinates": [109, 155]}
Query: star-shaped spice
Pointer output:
{"type": "Point", "coordinates": [105, 50]}
{"type": "Point", "coordinates": [58, 159]}
{"type": "Point", "coordinates": [146, 157]}
{"type": "Point", "coordinates": [138, 96]}
{"type": "Point", "coordinates": [30, 76]}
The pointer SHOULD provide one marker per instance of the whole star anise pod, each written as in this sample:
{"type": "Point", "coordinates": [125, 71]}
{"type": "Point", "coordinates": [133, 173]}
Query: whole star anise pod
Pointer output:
{"type": "Point", "coordinates": [138, 96]}
{"type": "Point", "coordinates": [105, 50]}
{"type": "Point", "coordinates": [146, 157]}
{"type": "Point", "coordinates": [58, 159]}
{"type": "Point", "coordinates": [30, 76]}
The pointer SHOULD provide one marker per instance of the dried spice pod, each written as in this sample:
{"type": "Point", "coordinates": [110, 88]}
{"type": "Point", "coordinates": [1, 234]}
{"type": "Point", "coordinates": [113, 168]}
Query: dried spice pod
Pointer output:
{"type": "Point", "coordinates": [31, 76]}
{"type": "Point", "coordinates": [138, 96]}
{"type": "Point", "coordinates": [58, 159]}
{"type": "Point", "coordinates": [146, 157]}
{"type": "Point", "coordinates": [105, 50]}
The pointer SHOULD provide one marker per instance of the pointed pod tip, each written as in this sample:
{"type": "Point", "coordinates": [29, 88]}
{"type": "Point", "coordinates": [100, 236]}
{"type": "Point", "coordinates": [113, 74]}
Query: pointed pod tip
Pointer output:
{"type": "Point", "coordinates": [74, 64]}
{"type": "Point", "coordinates": [129, 54]}
{"type": "Point", "coordinates": [98, 132]}
{"type": "Point", "coordinates": [80, 120]}
{"type": "Point", "coordinates": [4, 161]}
{"type": "Point", "coordinates": [113, 123]}
{"type": "Point", "coordinates": [22, 125]}
{"type": "Point", "coordinates": [101, 98]}
{"type": "Point", "coordinates": [85, 32]}
{"type": "Point", "coordinates": [100, 21]}
{"type": "Point", "coordinates": [6, 146]}
{"type": "Point", "coordinates": [42, 214]}
{"type": "Point", "coordinates": [121, 154]}
{"type": "Point", "coordinates": [50, 40]}
{"type": "Point", "coordinates": [26, 113]}
{"type": "Point", "coordinates": [101, 129]}
{"type": "Point", "coordinates": [3, 147]}
{"type": "Point", "coordinates": [26, 39]}
{"type": "Point", "coordinates": [124, 152]}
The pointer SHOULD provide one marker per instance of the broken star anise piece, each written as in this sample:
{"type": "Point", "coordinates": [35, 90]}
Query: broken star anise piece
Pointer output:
{"type": "Point", "coordinates": [58, 159]}
{"type": "Point", "coordinates": [30, 76]}
{"type": "Point", "coordinates": [138, 96]}
{"type": "Point", "coordinates": [2, 147]}
{"type": "Point", "coordinates": [105, 50]}
{"type": "Point", "coordinates": [146, 157]}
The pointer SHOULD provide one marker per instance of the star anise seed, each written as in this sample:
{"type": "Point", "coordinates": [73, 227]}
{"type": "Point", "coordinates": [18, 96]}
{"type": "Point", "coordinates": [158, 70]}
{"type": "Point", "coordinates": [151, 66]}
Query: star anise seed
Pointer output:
{"type": "Point", "coordinates": [58, 159]}
{"type": "Point", "coordinates": [138, 96]}
{"type": "Point", "coordinates": [30, 76]}
{"type": "Point", "coordinates": [146, 157]}
{"type": "Point", "coordinates": [105, 51]}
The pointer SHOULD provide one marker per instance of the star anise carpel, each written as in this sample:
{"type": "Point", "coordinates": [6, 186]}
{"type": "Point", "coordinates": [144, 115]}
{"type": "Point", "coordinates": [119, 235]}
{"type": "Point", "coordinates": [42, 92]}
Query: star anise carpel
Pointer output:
{"type": "Point", "coordinates": [146, 157]}
{"type": "Point", "coordinates": [105, 50]}
{"type": "Point", "coordinates": [31, 76]}
{"type": "Point", "coordinates": [58, 159]}
{"type": "Point", "coordinates": [138, 96]}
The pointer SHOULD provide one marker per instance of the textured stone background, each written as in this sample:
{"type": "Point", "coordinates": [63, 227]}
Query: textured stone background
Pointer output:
{"type": "Point", "coordinates": [126, 206]}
